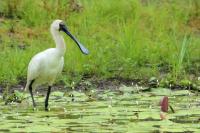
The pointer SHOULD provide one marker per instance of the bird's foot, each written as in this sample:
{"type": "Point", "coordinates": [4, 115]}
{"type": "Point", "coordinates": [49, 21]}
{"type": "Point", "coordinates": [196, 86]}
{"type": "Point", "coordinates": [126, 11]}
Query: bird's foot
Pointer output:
{"type": "Point", "coordinates": [47, 109]}
{"type": "Point", "coordinates": [34, 109]}
{"type": "Point", "coordinates": [34, 104]}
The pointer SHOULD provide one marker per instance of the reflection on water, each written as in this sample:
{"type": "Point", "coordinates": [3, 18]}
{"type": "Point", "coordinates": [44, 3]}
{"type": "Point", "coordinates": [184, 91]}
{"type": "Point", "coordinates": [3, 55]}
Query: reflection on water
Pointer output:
{"type": "Point", "coordinates": [105, 111]}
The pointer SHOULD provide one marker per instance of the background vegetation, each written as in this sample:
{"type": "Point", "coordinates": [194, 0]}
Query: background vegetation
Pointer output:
{"type": "Point", "coordinates": [134, 39]}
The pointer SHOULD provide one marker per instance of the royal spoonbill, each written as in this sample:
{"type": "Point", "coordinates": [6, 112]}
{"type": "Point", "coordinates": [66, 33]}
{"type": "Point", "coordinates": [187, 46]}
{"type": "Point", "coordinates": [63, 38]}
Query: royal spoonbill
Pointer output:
{"type": "Point", "coordinates": [45, 66]}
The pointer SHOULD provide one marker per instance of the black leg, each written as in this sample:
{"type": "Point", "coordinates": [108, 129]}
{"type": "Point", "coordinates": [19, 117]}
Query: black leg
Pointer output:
{"type": "Point", "coordinates": [47, 98]}
{"type": "Point", "coordinates": [31, 92]}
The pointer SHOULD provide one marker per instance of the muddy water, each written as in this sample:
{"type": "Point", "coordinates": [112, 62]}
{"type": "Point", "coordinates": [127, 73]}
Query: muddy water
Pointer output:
{"type": "Point", "coordinates": [127, 110]}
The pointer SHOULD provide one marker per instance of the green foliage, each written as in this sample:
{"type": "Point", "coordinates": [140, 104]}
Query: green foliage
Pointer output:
{"type": "Point", "coordinates": [128, 110]}
{"type": "Point", "coordinates": [126, 38]}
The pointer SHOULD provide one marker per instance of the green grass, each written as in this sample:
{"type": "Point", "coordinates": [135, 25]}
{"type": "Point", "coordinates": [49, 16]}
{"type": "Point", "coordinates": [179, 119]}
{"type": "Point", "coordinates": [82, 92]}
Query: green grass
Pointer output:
{"type": "Point", "coordinates": [126, 38]}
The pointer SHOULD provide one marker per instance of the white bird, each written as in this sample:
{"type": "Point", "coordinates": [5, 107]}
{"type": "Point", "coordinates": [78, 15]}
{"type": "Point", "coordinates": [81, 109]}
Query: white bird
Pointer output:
{"type": "Point", "coordinates": [45, 66]}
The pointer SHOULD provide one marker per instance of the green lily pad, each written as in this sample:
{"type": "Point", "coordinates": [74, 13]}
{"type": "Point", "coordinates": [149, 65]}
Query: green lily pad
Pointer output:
{"type": "Point", "coordinates": [161, 91]}
{"type": "Point", "coordinates": [57, 94]}
{"type": "Point", "coordinates": [112, 111]}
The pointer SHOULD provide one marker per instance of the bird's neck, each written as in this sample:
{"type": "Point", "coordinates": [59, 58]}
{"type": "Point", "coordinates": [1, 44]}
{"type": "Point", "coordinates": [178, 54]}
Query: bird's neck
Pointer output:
{"type": "Point", "coordinates": [59, 40]}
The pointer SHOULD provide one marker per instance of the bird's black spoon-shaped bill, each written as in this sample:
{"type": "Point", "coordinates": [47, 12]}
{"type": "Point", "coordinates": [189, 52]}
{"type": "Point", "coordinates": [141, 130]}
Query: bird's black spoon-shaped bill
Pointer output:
{"type": "Point", "coordinates": [82, 48]}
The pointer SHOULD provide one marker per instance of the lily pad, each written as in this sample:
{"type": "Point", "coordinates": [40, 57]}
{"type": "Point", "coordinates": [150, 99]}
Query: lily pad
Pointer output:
{"type": "Point", "coordinates": [161, 91]}
{"type": "Point", "coordinates": [112, 111]}
{"type": "Point", "coordinates": [57, 94]}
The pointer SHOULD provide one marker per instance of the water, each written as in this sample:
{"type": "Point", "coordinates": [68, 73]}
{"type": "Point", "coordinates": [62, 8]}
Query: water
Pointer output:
{"type": "Point", "coordinates": [104, 111]}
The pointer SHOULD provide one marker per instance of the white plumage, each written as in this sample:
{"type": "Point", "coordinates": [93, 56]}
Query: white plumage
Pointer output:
{"type": "Point", "coordinates": [45, 66]}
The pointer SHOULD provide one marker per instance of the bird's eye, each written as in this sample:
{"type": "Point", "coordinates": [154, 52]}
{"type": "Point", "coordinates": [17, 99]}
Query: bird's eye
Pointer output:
{"type": "Point", "coordinates": [61, 26]}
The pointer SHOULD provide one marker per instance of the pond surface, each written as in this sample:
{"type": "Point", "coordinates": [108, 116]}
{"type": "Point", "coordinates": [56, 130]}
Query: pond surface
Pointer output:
{"type": "Point", "coordinates": [123, 110]}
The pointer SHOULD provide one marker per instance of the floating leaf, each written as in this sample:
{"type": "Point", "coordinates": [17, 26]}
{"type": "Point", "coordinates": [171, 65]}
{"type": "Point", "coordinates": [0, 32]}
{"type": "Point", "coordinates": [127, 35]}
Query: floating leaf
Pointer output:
{"type": "Point", "coordinates": [57, 94]}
